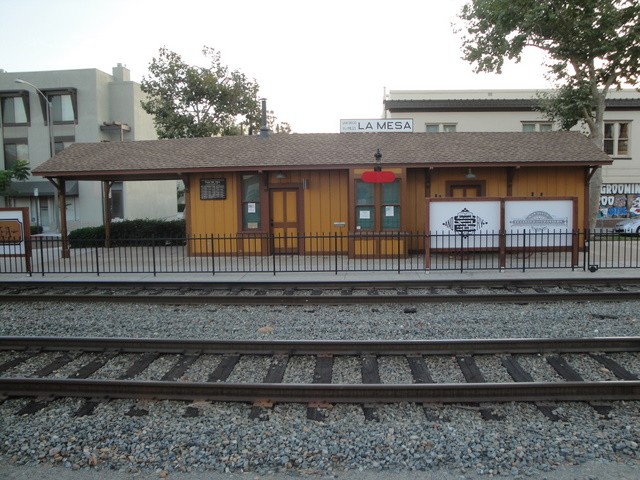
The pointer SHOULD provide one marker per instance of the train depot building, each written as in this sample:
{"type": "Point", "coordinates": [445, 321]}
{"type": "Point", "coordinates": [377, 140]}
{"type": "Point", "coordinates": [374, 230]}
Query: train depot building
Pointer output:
{"type": "Point", "coordinates": [374, 194]}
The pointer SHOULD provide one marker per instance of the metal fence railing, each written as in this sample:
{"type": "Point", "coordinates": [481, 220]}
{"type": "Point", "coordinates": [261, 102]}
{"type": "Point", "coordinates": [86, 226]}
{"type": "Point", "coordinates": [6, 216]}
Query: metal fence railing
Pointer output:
{"type": "Point", "coordinates": [264, 253]}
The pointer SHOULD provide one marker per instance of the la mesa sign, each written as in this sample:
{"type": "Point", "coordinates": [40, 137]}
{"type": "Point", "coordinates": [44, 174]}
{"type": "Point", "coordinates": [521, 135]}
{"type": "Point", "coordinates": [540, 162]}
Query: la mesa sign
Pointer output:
{"type": "Point", "coordinates": [403, 125]}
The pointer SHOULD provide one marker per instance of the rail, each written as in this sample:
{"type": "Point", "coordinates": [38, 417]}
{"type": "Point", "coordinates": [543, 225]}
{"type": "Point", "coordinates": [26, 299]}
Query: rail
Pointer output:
{"type": "Point", "coordinates": [330, 253]}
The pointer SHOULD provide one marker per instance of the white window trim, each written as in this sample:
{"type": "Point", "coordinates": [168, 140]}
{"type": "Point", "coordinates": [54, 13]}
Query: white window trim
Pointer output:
{"type": "Point", "coordinates": [616, 137]}
{"type": "Point", "coordinates": [441, 126]}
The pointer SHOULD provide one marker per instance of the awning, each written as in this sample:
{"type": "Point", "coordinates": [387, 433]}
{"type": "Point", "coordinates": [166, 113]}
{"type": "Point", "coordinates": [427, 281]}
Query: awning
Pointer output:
{"type": "Point", "coordinates": [45, 189]}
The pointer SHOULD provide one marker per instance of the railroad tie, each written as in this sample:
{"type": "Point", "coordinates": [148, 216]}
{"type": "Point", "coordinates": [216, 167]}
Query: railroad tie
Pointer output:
{"type": "Point", "coordinates": [420, 373]}
{"type": "Point", "coordinates": [519, 374]}
{"type": "Point", "coordinates": [370, 374]}
{"type": "Point", "coordinates": [323, 371]}
{"type": "Point", "coordinates": [275, 374]}
{"type": "Point", "coordinates": [472, 374]}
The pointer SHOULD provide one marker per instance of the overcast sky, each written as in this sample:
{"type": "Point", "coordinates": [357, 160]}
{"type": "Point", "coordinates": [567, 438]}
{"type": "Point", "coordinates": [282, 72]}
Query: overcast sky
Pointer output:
{"type": "Point", "coordinates": [315, 62]}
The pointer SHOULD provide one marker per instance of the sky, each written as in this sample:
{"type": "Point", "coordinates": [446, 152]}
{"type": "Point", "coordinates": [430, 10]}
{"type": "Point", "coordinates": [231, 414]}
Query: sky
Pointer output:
{"type": "Point", "coordinates": [315, 62]}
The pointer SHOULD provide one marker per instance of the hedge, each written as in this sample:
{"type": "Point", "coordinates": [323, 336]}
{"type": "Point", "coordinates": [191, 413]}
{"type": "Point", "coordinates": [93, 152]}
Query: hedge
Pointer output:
{"type": "Point", "coordinates": [132, 232]}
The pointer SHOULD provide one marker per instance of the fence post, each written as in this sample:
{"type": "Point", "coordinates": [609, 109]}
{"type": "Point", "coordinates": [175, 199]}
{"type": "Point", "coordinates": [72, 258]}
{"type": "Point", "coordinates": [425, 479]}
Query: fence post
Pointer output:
{"type": "Point", "coordinates": [335, 249]}
{"type": "Point", "coordinates": [524, 250]}
{"type": "Point", "coordinates": [41, 254]}
{"type": "Point", "coordinates": [213, 258]}
{"type": "Point", "coordinates": [273, 252]}
{"type": "Point", "coordinates": [97, 261]}
{"type": "Point", "coordinates": [153, 254]}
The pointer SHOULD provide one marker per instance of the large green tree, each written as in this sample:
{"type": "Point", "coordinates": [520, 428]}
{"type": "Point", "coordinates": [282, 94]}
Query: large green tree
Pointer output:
{"type": "Point", "coordinates": [592, 46]}
{"type": "Point", "coordinates": [193, 101]}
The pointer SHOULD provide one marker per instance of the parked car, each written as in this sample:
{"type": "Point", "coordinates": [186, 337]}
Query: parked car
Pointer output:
{"type": "Point", "coordinates": [630, 226]}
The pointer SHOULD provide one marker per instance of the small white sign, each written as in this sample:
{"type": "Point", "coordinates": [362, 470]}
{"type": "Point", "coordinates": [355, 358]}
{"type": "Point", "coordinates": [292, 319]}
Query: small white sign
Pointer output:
{"type": "Point", "coordinates": [365, 215]}
{"type": "Point", "coordinates": [389, 211]}
{"type": "Point", "coordinates": [251, 208]}
{"type": "Point", "coordinates": [402, 125]}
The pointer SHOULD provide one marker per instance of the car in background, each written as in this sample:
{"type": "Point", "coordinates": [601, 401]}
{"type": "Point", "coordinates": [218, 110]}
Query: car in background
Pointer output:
{"type": "Point", "coordinates": [630, 226]}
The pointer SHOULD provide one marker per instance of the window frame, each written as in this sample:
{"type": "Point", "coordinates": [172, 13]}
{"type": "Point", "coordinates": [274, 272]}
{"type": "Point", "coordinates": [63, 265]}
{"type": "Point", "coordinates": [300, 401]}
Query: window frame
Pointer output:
{"type": "Point", "coordinates": [378, 207]}
{"type": "Point", "coordinates": [537, 124]}
{"type": "Point", "coordinates": [616, 139]}
{"type": "Point", "coordinates": [49, 93]}
{"type": "Point", "coordinates": [243, 202]}
{"type": "Point", "coordinates": [24, 95]}
{"type": "Point", "coordinates": [14, 141]}
{"type": "Point", "coordinates": [442, 127]}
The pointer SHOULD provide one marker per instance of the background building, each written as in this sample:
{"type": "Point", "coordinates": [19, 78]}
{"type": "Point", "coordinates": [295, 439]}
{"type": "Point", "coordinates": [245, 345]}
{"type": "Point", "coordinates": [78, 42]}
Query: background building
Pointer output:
{"type": "Point", "coordinates": [87, 105]}
{"type": "Point", "coordinates": [514, 111]}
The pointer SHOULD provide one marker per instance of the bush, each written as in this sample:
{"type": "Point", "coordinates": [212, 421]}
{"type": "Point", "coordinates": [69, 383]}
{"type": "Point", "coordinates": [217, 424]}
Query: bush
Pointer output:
{"type": "Point", "coordinates": [132, 232]}
{"type": "Point", "coordinates": [35, 230]}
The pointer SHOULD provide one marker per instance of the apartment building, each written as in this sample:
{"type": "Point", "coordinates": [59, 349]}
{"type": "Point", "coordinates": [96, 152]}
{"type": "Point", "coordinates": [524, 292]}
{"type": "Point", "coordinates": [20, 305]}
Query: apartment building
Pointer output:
{"type": "Point", "coordinates": [515, 110]}
{"type": "Point", "coordinates": [49, 110]}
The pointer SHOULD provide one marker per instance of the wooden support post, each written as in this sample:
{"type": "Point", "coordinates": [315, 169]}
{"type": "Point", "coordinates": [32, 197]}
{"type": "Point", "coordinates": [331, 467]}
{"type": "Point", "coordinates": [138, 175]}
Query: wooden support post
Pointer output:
{"type": "Point", "coordinates": [60, 186]}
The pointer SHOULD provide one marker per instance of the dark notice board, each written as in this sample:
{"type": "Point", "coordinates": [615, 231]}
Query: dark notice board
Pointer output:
{"type": "Point", "coordinates": [213, 188]}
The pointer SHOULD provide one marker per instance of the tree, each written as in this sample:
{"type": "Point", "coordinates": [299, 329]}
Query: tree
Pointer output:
{"type": "Point", "coordinates": [591, 45]}
{"type": "Point", "coordinates": [20, 171]}
{"type": "Point", "coordinates": [192, 101]}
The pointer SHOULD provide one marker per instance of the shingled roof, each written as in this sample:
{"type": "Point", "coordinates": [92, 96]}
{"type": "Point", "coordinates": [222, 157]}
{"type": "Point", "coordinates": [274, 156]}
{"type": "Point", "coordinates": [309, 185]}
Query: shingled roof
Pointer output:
{"type": "Point", "coordinates": [158, 159]}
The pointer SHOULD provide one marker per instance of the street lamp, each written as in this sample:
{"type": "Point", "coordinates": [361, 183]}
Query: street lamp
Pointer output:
{"type": "Point", "coordinates": [52, 145]}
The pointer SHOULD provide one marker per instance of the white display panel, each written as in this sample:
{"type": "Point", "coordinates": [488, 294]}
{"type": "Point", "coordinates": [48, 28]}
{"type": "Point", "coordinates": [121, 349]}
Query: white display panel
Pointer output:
{"type": "Point", "coordinates": [464, 224]}
{"type": "Point", "coordinates": [538, 223]}
{"type": "Point", "coordinates": [12, 232]}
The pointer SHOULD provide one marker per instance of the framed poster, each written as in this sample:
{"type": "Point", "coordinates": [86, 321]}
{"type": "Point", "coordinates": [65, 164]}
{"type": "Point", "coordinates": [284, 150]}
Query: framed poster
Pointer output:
{"type": "Point", "coordinates": [464, 224]}
{"type": "Point", "coordinates": [539, 222]}
{"type": "Point", "coordinates": [213, 189]}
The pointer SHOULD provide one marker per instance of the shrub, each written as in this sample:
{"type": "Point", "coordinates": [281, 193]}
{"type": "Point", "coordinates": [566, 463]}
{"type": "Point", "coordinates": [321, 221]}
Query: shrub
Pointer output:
{"type": "Point", "coordinates": [132, 232]}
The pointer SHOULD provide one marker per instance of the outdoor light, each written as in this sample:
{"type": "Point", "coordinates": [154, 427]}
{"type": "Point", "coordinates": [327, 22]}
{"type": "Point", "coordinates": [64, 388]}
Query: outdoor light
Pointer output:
{"type": "Point", "coordinates": [470, 175]}
{"type": "Point", "coordinates": [378, 157]}
{"type": "Point", "coordinates": [281, 175]}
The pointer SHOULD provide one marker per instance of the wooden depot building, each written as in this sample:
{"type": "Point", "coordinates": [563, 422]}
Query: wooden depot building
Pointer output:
{"type": "Point", "coordinates": [368, 186]}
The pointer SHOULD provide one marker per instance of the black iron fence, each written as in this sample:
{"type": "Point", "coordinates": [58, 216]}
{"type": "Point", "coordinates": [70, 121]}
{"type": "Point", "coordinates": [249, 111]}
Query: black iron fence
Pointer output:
{"type": "Point", "coordinates": [263, 253]}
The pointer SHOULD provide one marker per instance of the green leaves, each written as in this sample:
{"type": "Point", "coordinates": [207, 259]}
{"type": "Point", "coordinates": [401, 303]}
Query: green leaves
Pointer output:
{"type": "Point", "coordinates": [20, 171]}
{"type": "Point", "coordinates": [592, 45]}
{"type": "Point", "coordinates": [192, 101]}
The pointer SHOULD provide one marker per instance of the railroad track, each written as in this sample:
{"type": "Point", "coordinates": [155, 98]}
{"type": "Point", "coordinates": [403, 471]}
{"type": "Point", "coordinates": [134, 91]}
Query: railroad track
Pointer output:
{"type": "Point", "coordinates": [321, 373]}
{"type": "Point", "coordinates": [302, 293]}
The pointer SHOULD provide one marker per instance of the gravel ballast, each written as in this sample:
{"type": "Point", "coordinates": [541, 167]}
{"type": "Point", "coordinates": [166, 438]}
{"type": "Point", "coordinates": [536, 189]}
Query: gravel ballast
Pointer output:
{"type": "Point", "coordinates": [452, 440]}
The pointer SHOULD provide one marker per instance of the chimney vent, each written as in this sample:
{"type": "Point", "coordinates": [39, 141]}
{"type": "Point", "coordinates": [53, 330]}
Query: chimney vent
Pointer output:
{"type": "Point", "coordinates": [264, 130]}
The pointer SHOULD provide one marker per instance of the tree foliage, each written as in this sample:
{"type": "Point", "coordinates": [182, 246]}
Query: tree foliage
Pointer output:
{"type": "Point", "coordinates": [592, 46]}
{"type": "Point", "coordinates": [192, 101]}
{"type": "Point", "coordinates": [20, 171]}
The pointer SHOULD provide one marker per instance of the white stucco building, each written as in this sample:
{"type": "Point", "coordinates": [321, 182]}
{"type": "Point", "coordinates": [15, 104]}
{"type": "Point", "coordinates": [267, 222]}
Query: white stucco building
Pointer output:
{"type": "Point", "coordinates": [86, 105]}
{"type": "Point", "coordinates": [514, 110]}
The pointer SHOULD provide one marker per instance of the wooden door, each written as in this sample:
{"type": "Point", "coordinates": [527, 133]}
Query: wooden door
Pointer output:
{"type": "Point", "coordinates": [465, 191]}
{"type": "Point", "coordinates": [284, 220]}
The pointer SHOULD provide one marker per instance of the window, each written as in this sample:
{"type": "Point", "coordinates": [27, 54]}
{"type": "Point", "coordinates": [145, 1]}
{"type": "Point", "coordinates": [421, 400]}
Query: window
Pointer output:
{"type": "Point", "coordinates": [64, 108]}
{"type": "Point", "coordinates": [15, 150]}
{"type": "Point", "coordinates": [377, 206]}
{"type": "Point", "coordinates": [117, 200]}
{"type": "Point", "coordinates": [63, 142]}
{"type": "Point", "coordinates": [14, 109]}
{"type": "Point", "coordinates": [440, 127]}
{"type": "Point", "coordinates": [537, 126]}
{"type": "Point", "coordinates": [616, 138]}
{"type": "Point", "coordinates": [251, 202]}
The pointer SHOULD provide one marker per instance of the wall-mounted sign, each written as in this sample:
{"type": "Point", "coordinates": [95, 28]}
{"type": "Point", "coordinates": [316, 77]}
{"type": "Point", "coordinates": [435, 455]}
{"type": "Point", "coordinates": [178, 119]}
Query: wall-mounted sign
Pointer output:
{"type": "Point", "coordinates": [475, 223]}
{"type": "Point", "coordinates": [213, 189]}
{"type": "Point", "coordinates": [373, 176]}
{"type": "Point", "coordinates": [13, 231]}
{"type": "Point", "coordinates": [537, 220]}
{"type": "Point", "coordinates": [404, 125]}
{"type": "Point", "coordinates": [619, 200]}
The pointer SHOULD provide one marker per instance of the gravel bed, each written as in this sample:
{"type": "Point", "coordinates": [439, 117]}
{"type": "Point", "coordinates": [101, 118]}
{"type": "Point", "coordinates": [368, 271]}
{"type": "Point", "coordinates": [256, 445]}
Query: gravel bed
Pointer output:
{"type": "Point", "coordinates": [223, 439]}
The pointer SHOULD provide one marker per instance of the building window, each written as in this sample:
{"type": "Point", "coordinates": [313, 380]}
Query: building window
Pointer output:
{"type": "Point", "coordinates": [117, 200]}
{"type": "Point", "coordinates": [64, 105]}
{"type": "Point", "coordinates": [377, 206]}
{"type": "Point", "coordinates": [14, 109]}
{"type": "Point", "coordinates": [14, 151]}
{"type": "Point", "coordinates": [251, 202]}
{"type": "Point", "coordinates": [537, 126]}
{"type": "Point", "coordinates": [616, 139]}
{"type": "Point", "coordinates": [440, 127]}
{"type": "Point", "coordinates": [63, 142]}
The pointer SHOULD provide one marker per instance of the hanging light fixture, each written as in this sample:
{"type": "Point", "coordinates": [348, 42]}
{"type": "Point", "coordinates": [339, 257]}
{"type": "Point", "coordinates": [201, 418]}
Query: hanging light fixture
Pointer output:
{"type": "Point", "coordinates": [470, 175]}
